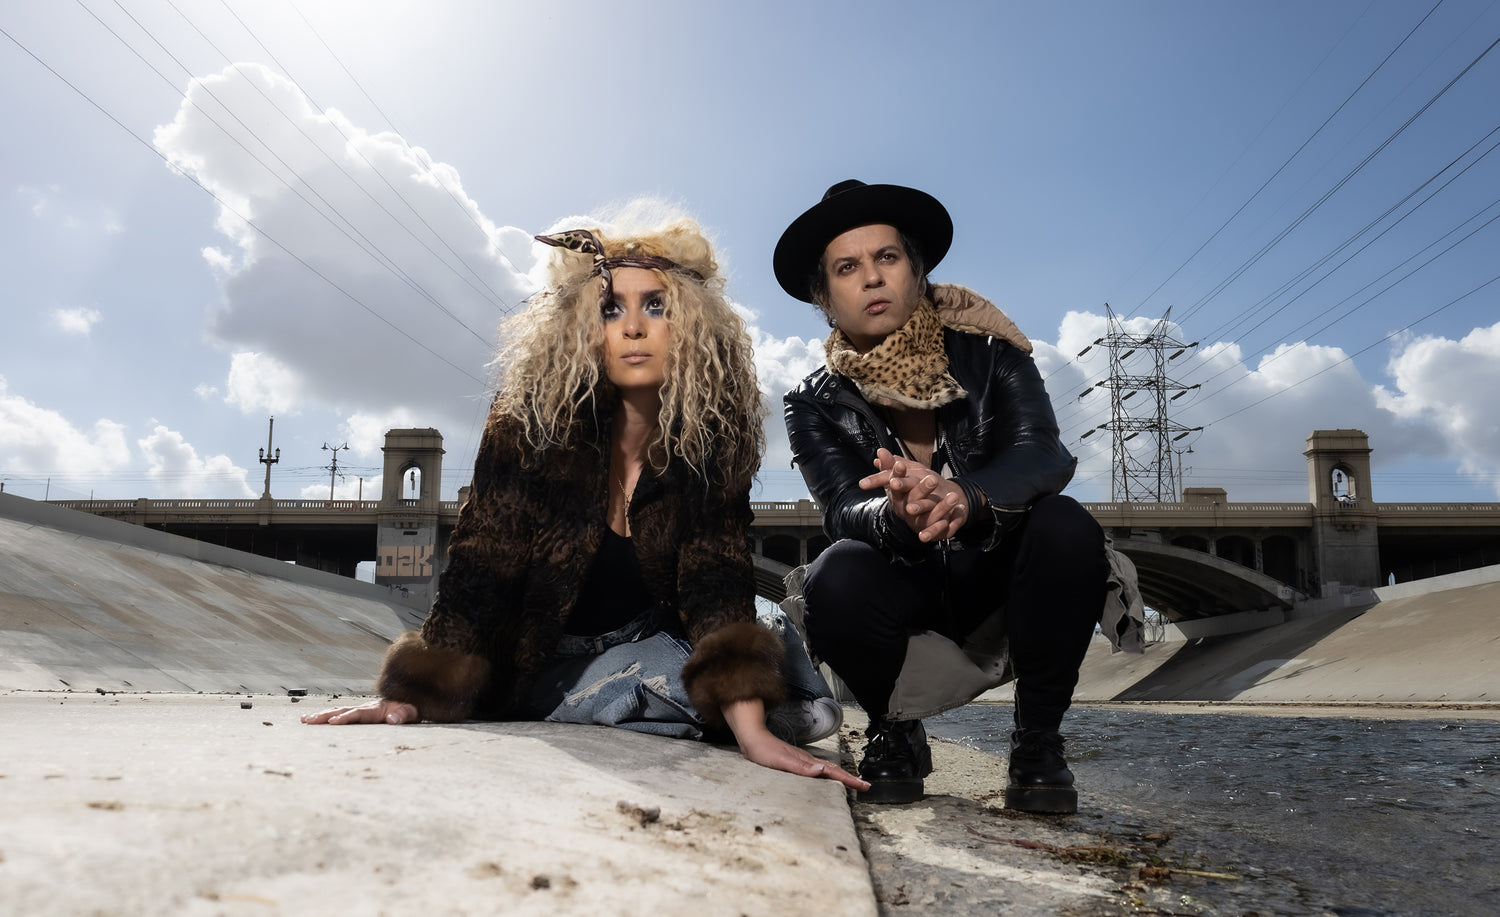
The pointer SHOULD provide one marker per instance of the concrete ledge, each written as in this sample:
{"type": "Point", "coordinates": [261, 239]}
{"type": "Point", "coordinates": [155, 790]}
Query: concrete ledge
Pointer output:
{"type": "Point", "coordinates": [170, 804]}
{"type": "Point", "coordinates": [113, 531]}
{"type": "Point", "coordinates": [1221, 625]}
{"type": "Point", "coordinates": [1475, 577]}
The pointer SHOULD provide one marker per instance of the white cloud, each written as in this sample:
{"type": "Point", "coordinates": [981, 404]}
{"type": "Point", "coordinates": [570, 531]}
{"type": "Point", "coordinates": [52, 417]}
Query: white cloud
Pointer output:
{"type": "Point", "coordinates": [1257, 418]}
{"type": "Point", "coordinates": [260, 384]}
{"type": "Point", "coordinates": [217, 259]}
{"type": "Point", "coordinates": [395, 327]}
{"type": "Point", "coordinates": [366, 431]}
{"type": "Point", "coordinates": [76, 321]}
{"type": "Point", "coordinates": [1253, 450]}
{"type": "Point", "coordinates": [780, 363]}
{"type": "Point", "coordinates": [345, 487]}
{"type": "Point", "coordinates": [176, 469]}
{"type": "Point", "coordinates": [38, 441]}
{"type": "Point", "coordinates": [47, 207]}
{"type": "Point", "coordinates": [41, 198]}
{"type": "Point", "coordinates": [397, 319]}
{"type": "Point", "coordinates": [1449, 386]}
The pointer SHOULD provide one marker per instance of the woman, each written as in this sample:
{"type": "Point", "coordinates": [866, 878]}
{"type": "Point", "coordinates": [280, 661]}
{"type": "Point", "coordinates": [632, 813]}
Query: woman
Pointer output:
{"type": "Point", "coordinates": [600, 571]}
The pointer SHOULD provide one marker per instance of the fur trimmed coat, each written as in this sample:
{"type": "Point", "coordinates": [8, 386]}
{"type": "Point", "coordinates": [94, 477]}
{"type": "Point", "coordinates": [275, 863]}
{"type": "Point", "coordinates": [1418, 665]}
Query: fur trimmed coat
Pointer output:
{"type": "Point", "coordinates": [517, 560]}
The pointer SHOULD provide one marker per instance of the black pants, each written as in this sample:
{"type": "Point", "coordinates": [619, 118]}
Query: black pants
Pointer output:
{"type": "Point", "coordinates": [1049, 575]}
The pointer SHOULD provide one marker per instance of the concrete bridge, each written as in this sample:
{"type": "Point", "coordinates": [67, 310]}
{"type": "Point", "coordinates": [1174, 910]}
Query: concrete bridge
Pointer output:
{"type": "Point", "coordinates": [1199, 559]}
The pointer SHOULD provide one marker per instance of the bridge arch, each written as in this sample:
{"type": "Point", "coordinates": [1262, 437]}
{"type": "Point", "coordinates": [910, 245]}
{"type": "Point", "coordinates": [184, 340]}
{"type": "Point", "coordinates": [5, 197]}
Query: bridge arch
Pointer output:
{"type": "Point", "coordinates": [770, 578]}
{"type": "Point", "coordinates": [1280, 558]}
{"type": "Point", "coordinates": [1183, 584]}
{"type": "Point", "coordinates": [411, 475]}
{"type": "Point", "coordinates": [783, 548]}
{"type": "Point", "coordinates": [1237, 549]}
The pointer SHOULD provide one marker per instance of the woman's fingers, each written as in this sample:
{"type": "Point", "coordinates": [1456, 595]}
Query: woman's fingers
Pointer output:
{"type": "Point", "coordinates": [376, 711]}
{"type": "Point", "coordinates": [830, 771]}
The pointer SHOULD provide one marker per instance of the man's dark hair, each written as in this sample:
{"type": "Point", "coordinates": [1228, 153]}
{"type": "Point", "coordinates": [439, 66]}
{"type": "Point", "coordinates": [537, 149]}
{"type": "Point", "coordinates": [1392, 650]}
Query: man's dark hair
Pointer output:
{"type": "Point", "coordinates": [817, 284]}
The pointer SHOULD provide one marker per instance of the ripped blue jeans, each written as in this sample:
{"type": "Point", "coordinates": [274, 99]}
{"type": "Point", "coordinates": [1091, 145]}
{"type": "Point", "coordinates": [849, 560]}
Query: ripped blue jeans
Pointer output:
{"type": "Point", "coordinates": [631, 678]}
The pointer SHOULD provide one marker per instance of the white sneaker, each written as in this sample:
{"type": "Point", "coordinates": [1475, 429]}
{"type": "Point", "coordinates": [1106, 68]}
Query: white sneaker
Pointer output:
{"type": "Point", "coordinates": [802, 722]}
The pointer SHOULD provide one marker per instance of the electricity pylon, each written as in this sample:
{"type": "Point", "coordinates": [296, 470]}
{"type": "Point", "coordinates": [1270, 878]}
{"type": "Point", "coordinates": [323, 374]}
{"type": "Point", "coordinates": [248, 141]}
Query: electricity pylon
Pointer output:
{"type": "Point", "coordinates": [1143, 473]}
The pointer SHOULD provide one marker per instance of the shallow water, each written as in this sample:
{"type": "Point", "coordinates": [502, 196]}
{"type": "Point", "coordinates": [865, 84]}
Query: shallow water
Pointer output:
{"type": "Point", "coordinates": [1320, 815]}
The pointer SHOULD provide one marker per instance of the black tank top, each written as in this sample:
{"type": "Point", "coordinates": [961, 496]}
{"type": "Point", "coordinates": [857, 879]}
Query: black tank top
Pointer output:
{"type": "Point", "coordinates": [614, 591]}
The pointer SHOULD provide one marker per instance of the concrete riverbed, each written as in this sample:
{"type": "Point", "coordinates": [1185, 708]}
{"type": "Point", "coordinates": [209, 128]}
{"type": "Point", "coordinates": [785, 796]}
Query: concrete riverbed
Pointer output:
{"type": "Point", "coordinates": [152, 762]}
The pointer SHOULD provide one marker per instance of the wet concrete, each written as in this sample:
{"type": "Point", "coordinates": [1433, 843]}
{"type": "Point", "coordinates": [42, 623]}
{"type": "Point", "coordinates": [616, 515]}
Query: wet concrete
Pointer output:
{"type": "Point", "coordinates": [1137, 847]}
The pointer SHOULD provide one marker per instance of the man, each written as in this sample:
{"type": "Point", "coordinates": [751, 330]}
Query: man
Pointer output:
{"type": "Point", "coordinates": [930, 444]}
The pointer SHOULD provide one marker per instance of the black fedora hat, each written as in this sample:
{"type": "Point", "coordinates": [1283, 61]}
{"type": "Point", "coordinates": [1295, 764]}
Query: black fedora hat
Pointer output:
{"type": "Point", "coordinates": [853, 203]}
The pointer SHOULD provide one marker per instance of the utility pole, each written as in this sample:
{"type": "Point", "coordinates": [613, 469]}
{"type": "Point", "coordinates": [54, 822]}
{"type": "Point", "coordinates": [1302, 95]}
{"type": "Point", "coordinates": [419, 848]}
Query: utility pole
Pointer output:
{"type": "Point", "coordinates": [267, 459]}
{"type": "Point", "coordinates": [1145, 476]}
{"type": "Point", "coordinates": [334, 470]}
{"type": "Point", "coordinates": [1181, 475]}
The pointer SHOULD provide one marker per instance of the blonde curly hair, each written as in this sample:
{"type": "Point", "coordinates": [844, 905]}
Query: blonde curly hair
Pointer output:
{"type": "Point", "coordinates": [712, 417]}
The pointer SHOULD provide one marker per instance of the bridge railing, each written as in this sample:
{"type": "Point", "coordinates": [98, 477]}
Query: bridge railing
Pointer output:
{"type": "Point", "coordinates": [1170, 508]}
{"type": "Point", "coordinates": [1437, 508]}
{"type": "Point", "coordinates": [1190, 515]}
{"type": "Point", "coordinates": [218, 506]}
{"type": "Point", "coordinates": [772, 512]}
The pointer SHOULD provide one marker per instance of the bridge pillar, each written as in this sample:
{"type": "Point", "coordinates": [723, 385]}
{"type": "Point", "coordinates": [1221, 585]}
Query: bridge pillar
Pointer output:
{"type": "Point", "coordinates": [407, 534]}
{"type": "Point", "coordinates": [1346, 549]}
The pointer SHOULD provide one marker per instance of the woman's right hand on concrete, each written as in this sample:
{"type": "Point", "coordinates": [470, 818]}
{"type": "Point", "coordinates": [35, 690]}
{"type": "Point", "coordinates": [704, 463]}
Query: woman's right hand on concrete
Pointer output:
{"type": "Point", "coordinates": [376, 711]}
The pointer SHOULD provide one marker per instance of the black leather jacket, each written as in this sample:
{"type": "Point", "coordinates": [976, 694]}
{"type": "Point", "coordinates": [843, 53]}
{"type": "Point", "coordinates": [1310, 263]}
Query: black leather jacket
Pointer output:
{"type": "Point", "coordinates": [1001, 440]}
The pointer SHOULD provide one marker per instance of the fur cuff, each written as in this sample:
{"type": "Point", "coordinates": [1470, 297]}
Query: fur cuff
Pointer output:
{"type": "Point", "coordinates": [442, 684]}
{"type": "Point", "coordinates": [739, 662]}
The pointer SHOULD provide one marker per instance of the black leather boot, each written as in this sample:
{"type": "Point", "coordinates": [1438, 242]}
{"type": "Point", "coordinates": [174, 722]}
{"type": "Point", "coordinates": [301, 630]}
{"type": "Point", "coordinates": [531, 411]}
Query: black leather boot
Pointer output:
{"type": "Point", "coordinates": [896, 759]}
{"type": "Point", "coordinates": [1039, 777]}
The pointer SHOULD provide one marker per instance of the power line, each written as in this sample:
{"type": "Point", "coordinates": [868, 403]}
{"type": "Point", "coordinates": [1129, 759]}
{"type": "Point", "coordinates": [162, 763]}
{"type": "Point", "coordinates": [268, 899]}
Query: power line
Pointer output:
{"type": "Point", "coordinates": [1290, 159]}
{"type": "Point", "coordinates": [1432, 100]}
{"type": "Point", "coordinates": [1233, 382]}
{"type": "Point", "coordinates": [1222, 175]}
{"type": "Point", "coordinates": [1224, 330]}
{"type": "Point", "coordinates": [1256, 257]}
{"type": "Point", "coordinates": [249, 222]}
{"type": "Point", "coordinates": [1253, 259]}
{"type": "Point", "coordinates": [1293, 332]}
{"type": "Point", "coordinates": [497, 299]}
{"type": "Point", "coordinates": [400, 134]}
{"type": "Point", "coordinates": [1351, 356]}
{"type": "Point", "coordinates": [364, 243]}
{"type": "Point", "coordinates": [1372, 298]}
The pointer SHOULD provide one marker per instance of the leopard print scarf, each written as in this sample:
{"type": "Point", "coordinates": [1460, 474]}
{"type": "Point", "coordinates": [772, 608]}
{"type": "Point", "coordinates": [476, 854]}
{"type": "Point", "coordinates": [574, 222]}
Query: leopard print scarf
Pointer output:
{"type": "Point", "coordinates": [909, 369]}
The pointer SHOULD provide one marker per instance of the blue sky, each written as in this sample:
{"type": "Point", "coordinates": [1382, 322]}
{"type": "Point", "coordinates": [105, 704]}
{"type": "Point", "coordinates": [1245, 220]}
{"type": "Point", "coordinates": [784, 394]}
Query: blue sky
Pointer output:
{"type": "Point", "coordinates": [393, 160]}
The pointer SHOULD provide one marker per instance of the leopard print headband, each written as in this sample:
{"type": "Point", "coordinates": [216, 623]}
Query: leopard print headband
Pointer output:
{"type": "Point", "coordinates": [585, 242]}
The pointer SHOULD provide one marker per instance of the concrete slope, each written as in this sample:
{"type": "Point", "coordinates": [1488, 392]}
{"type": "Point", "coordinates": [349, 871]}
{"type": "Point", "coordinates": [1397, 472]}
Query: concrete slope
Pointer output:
{"type": "Point", "coordinates": [1430, 641]}
{"type": "Point", "coordinates": [144, 805]}
{"type": "Point", "coordinates": [89, 603]}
